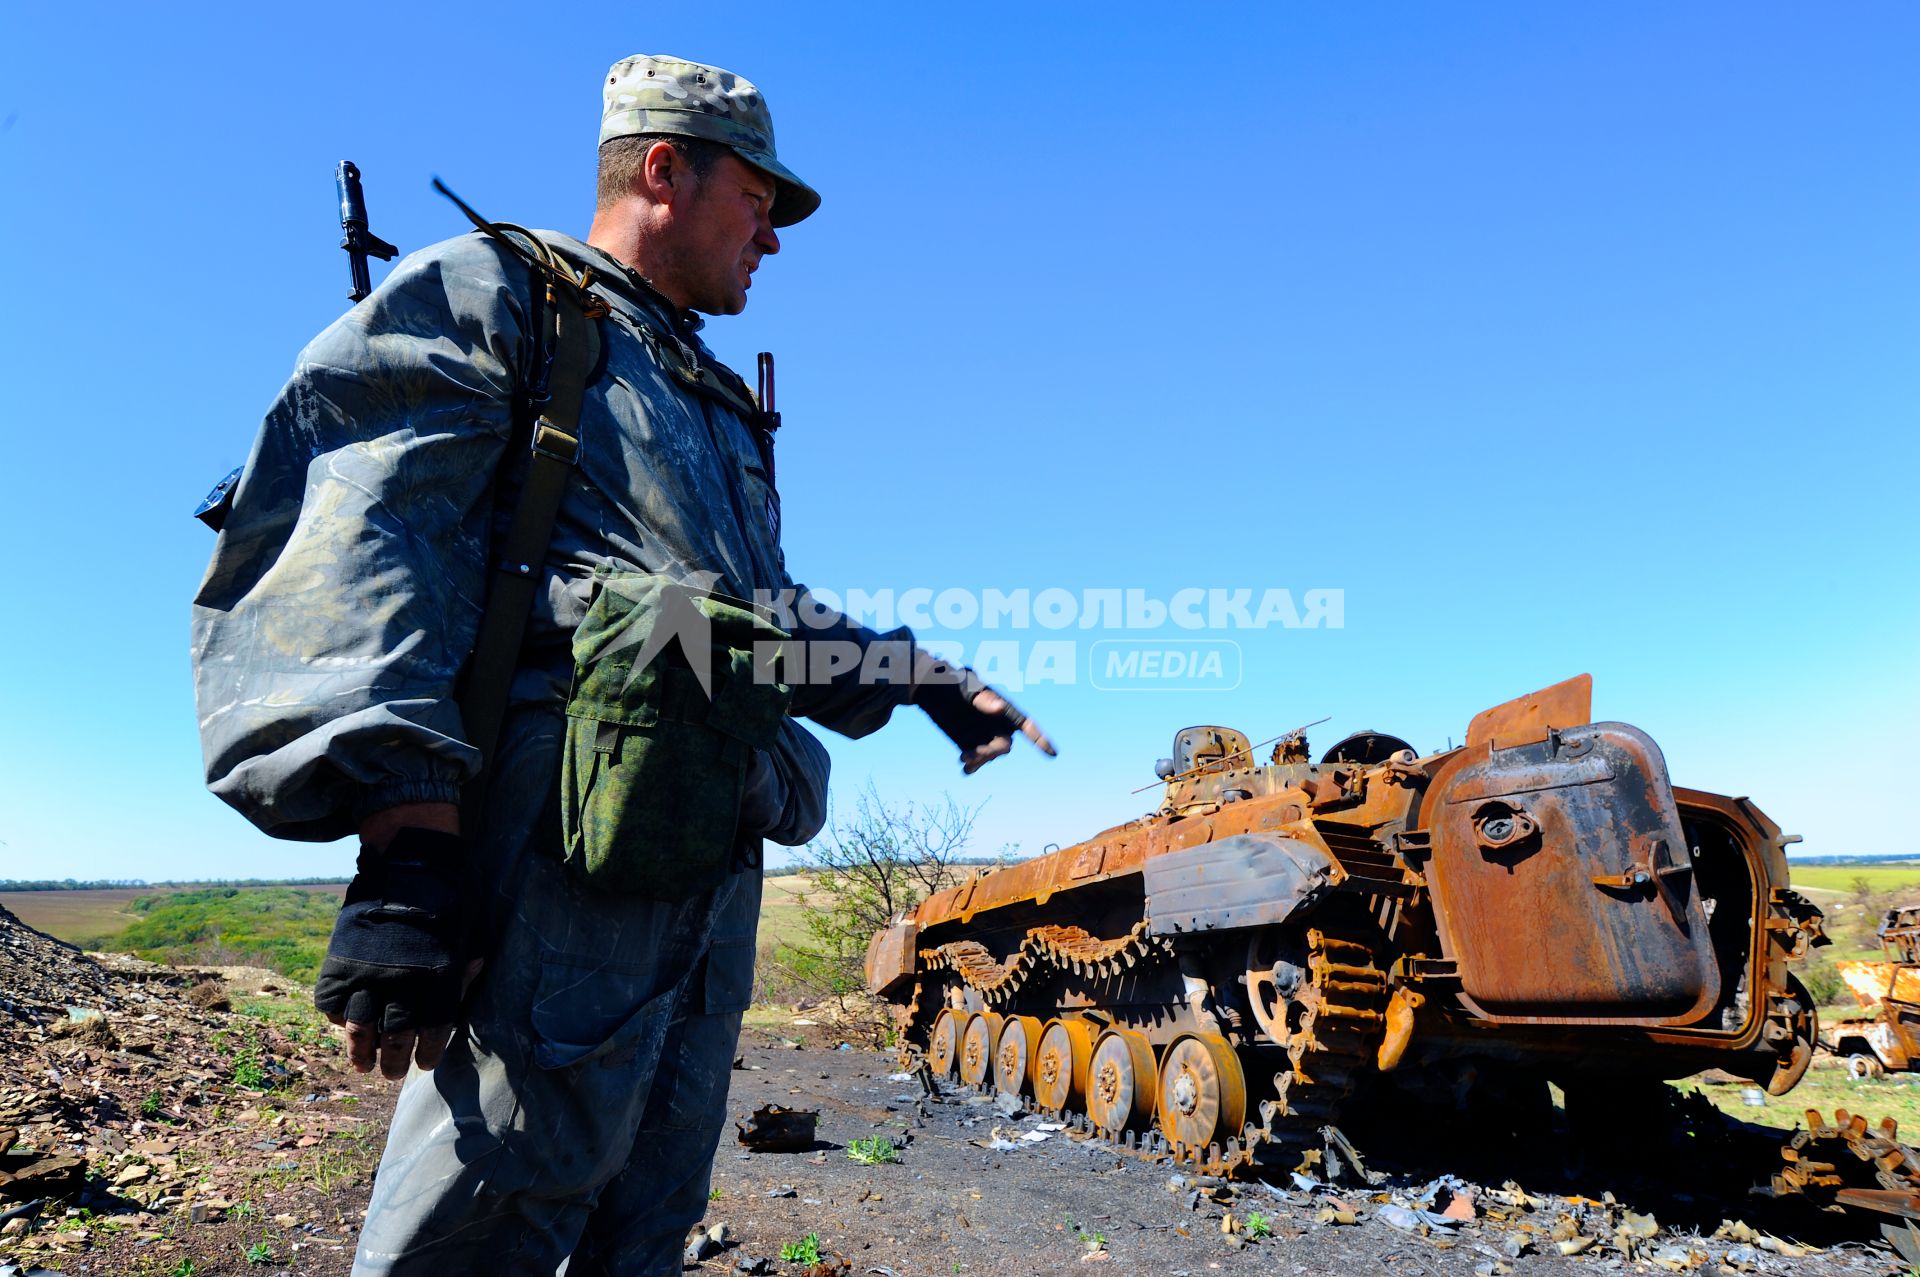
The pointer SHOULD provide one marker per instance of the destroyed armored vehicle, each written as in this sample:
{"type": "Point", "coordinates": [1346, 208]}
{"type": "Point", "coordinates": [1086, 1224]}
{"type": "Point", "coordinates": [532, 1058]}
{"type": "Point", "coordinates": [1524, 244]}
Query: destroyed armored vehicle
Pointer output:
{"type": "Point", "coordinates": [1888, 1038]}
{"type": "Point", "coordinates": [1211, 981]}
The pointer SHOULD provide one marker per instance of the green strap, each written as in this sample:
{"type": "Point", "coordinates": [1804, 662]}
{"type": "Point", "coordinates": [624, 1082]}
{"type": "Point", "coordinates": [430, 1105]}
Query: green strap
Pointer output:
{"type": "Point", "coordinates": [520, 564]}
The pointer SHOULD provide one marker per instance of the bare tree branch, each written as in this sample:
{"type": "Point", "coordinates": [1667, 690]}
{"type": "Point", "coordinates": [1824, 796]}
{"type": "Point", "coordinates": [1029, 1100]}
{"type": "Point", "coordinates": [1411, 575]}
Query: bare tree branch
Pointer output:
{"type": "Point", "coordinates": [867, 868]}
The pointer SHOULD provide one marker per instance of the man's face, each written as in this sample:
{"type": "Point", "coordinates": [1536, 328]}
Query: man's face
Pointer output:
{"type": "Point", "coordinates": [721, 235]}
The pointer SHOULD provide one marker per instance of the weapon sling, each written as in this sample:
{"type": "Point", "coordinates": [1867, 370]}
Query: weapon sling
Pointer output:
{"type": "Point", "coordinates": [572, 350]}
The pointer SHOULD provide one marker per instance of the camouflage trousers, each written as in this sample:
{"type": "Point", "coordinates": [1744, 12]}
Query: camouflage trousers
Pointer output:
{"type": "Point", "coordinates": [573, 1129]}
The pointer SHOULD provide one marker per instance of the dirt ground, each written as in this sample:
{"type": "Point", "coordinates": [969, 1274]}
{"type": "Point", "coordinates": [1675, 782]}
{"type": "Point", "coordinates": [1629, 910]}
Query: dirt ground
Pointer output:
{"type": "Point", "coordinates": [285, 1179]}
{"type": "Point", "coordinates": [162, 1123]}
{"type": "Point", "coordinates": [1060, 1204]}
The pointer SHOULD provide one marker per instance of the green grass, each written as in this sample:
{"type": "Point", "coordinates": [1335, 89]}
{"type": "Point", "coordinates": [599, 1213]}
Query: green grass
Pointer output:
{"type": "Point", "coordinates": [284, 929]}
{"type": "Point", "coordinates": [294, 1018]}
{"type": "Point", "coordinates": [1091, 1240]}
{"type": "Point", "coordinates": [782, 917]}
{"type": "Point", "coordinates": [1825, 1089]}
{"type": "Point", "coordinates": [242, 1045]}
{"type": "Point", "coordinates": [1901, 876]}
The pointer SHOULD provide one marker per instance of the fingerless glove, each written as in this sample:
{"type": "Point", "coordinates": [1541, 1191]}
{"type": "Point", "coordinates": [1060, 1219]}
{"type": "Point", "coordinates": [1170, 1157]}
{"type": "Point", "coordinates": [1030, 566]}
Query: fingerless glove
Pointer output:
{"type": "Point", "coordinates": [400, 943]}
{"type": "Point", "coordinates": [946, 693]}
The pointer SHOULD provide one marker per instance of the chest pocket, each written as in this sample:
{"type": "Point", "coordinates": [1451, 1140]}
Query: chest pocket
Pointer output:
{"type": "Point", "coordinates": [667, 706]}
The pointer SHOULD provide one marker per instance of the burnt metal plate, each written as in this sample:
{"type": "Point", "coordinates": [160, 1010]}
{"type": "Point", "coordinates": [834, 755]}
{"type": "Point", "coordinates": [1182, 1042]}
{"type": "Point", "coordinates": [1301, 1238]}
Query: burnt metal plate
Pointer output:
{"type": "Point", "coordinates": [1555, 773]}
{"type": "Point", "coordinates": [892, 955]}
{"type": "Point", "coordinates": [1563, 885]}
{"type": "Point", "coordinates": [1245, 880]}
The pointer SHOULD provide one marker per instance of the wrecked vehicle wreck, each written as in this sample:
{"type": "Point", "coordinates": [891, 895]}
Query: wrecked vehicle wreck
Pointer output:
{"type": "Point", "coordinates": [1210, 983]}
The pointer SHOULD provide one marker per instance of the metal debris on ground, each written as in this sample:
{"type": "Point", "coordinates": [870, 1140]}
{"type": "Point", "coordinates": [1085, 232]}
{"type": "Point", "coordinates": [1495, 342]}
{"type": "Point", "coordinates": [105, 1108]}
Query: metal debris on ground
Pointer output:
{"type": "Point", "coordinates": [1400, 1217]}
{"type": "Point", "coordinates": [705, 1242]}
{"type": "Point", "coordinates": [1340, 1156]}
{"type": "Point", "coordinates": [1854, 1165]}
{"type": "Point", "coordinates": [773, 1128]}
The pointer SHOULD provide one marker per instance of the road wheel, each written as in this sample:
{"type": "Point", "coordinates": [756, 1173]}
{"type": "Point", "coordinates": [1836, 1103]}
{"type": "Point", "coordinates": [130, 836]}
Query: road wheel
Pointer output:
{"type": "Point", "coordinates": [976, 1048]}
{"type": "Point", "coordinates": [1061, 1065]}
{"type": "Point", "coordinates": [1012, 1063]}
{"type": "Point", "coordinates": [1862, 1067]}
{"type": "Point", "coordinates": [1120, 1083]}
{"type": "Point", "coordinates": [943, 1047]}
{"type": "Point", "coordinates": [1203, 1094]}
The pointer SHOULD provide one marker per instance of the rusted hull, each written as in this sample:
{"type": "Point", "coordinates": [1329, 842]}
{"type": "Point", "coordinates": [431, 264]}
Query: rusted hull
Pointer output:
{"type": "Point", "coordinates": [1542, 896]}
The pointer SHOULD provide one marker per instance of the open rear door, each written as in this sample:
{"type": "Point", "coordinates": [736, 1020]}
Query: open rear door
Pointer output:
{"type": "Point", "coordinates": [1562, 883]}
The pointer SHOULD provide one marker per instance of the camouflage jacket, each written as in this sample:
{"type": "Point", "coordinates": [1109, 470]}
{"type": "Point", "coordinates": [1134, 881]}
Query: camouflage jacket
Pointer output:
{"type": "Point", "coordinates": [347, 584]}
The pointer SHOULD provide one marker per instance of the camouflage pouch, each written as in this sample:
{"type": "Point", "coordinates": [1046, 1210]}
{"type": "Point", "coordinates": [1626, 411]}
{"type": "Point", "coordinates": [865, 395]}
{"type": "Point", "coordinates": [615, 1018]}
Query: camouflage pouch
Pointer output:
{"type": "Point", "coordinates": [656, 756]}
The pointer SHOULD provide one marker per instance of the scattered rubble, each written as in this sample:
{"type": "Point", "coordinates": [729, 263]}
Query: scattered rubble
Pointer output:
{"type": "Point", "coordinates": [145, 1123]}
{"type": "Point", "coordinates": [978, 1175]}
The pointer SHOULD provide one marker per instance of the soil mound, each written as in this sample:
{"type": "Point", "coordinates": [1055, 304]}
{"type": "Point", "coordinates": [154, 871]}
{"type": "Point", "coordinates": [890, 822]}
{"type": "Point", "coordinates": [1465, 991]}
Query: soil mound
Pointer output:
{"type": "Point", "coordinates": [40, 976]}
{"type": "Point", "coordinates": [151, 1114]}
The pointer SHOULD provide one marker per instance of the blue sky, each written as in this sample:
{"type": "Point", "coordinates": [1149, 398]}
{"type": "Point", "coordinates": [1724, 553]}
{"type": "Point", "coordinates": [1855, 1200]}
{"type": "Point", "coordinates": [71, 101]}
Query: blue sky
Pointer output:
{"type": "Point", "coordinates": [1557, 338]}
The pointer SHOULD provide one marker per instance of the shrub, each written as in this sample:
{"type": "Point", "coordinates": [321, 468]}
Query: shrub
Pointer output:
{"type": "Point", "coordinates": [804, 1251]}
{"type": "Point", "coordinates": [867, 868]}
{"type": "Point", "coordinates": [279, 928]}
{"type": "Point", "coordinates": [876, 1150]}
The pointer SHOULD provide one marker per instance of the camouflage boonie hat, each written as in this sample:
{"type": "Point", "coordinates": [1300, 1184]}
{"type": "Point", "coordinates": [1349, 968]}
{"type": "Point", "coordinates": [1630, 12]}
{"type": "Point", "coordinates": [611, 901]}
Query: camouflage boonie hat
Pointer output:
{"type": "Point", "coordinates": [652, 93]}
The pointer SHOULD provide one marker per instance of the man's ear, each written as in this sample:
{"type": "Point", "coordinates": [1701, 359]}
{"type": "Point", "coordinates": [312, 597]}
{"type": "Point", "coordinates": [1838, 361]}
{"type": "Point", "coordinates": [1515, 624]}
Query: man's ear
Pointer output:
{"type": "Point", "coordinates": [663, 174]}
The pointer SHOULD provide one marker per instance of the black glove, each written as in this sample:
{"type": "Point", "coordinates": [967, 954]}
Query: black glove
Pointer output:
{"type": "Point", "coordinates": [946, 693]}
{"type": "Point", "coordinates": [399, 946]}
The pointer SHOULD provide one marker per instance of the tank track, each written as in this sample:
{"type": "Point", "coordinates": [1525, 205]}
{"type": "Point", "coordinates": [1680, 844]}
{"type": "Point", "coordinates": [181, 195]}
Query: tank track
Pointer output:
{"type": "Point", "coordinates": [1340, 1021]}
{"type": "Point", "coordinates": [1859, 1168]}
{"type": "Point", "coordinates": [1066, 948]}
{"type": "Point", "coordinates": [1344, 1013]}
{"type": "Point", "coordinates": [1818, 1158]}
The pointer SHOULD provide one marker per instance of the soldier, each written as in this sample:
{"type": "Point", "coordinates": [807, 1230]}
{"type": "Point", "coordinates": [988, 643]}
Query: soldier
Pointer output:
{"type": "Point", "coordinates": [608, 916]}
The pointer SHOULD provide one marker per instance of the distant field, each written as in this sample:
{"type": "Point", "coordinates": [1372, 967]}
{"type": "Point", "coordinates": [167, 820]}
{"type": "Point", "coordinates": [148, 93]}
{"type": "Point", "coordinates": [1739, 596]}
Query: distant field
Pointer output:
{"type": "Point", "coordinates": [85, 915]}
{"type": "Point", "coordinates": [782, 918]}
{"type": "Point", "coordinates": [1840, 878]}
{"type": "Point", "coordinates": [286, 933]}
